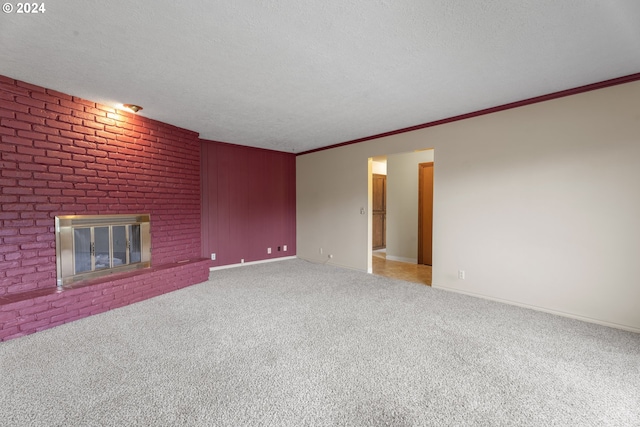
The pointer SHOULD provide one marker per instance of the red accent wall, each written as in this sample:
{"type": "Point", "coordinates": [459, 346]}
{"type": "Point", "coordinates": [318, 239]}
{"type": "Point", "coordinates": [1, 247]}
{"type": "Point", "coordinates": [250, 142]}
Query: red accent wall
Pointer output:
{"type": "Point", "coordinates": [63, 155]}
{"type": "Point", "coordinates": [248, 203]}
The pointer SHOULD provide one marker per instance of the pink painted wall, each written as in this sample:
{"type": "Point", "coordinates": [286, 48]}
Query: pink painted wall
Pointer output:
{"type": "Point", "coordinates": [62, 155]}
{"type": "Point", "coordinates": [248, 203]}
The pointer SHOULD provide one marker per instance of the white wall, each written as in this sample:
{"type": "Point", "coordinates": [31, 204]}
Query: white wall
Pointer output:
{"type": "Point", "coordinates": [540, 205]}
{"type": "Point", "coordinates": [379, 168]}
{"type": "Point", "coordinates": [402, 204]}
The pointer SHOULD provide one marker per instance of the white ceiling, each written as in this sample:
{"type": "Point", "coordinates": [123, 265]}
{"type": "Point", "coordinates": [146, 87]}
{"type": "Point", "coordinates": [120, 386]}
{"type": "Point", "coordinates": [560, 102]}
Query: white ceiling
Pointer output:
{"type": "Point", "coordinates": [294, 75]}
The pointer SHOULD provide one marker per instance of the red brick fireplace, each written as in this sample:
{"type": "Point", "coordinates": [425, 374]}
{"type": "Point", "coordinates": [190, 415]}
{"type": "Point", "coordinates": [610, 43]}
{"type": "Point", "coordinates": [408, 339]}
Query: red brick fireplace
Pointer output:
{"type": "Point", "coordinates": [61, 155]}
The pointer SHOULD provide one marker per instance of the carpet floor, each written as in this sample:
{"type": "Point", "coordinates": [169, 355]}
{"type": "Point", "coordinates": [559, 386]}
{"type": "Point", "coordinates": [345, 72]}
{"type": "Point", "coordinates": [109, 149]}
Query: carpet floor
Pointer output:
{"type": "Point", "coordinates": [292, 343]}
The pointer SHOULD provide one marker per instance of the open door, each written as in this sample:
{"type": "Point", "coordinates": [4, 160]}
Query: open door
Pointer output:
{"type": "Point", "coordinates": [379, 212]}
{"type": "Point", "coordinates": [425, 213]}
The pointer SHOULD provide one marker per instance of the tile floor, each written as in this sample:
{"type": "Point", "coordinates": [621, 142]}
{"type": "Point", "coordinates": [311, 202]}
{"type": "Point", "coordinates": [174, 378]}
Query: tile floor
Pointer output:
{"type": "Point", "coordinates": [416, 273]}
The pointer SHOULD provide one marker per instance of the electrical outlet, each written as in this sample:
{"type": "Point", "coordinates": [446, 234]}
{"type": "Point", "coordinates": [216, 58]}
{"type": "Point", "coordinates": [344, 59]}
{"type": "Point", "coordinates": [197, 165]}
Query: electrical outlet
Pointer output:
{"type": "Point", "coordinates": [268, 250]}
{"type": "Point", "coordinates": [461, 274]}
{"type": "Point", "coordinates": [320, 251]}
{"type": "Point", "coordinates": [213, 257]}
{"type": "Point", "coordinates": [285, 248]}
{"type": "Point", "coordinates": [279, 248]}
{"type": "Point", "coordinates": [242, 261]}
{"type": "Point", "coordinates": [330, 255]}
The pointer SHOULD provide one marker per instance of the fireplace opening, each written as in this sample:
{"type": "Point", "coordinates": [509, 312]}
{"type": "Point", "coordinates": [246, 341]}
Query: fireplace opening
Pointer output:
{"type": "Point", "coordinates": [90, 246]}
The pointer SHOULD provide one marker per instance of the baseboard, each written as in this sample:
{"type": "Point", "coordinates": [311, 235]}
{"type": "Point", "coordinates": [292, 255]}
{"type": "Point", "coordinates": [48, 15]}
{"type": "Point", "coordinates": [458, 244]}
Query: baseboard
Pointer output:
{"type": "Point", "coordinates": [222, 267]}
{"type": "Point", "coordinates": [332, 262]}
{"type": "Point", "coordinates": [402, 259]}
{"type": "Point", "coordinates": [546, 310]}
{"type": "Point", "coordinates": [518, 304]}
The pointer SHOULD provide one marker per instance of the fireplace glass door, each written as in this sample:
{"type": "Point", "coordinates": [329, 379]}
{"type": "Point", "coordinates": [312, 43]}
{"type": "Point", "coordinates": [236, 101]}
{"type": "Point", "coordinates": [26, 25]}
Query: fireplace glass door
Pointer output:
{"type": "Point", "coordinates": [92, 245]}
{"type": "Point", "coordinates": [95, 248]}
{"type": "Point", "coordinates": [82, 242]}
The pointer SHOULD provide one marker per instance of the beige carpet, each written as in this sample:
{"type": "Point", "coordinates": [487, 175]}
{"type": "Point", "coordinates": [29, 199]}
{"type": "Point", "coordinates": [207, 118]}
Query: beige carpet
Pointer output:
{"type": "Point", "coordinates": [298, 344]}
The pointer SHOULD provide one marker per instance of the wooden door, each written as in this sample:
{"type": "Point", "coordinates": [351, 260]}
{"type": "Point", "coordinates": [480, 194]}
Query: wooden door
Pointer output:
{"type": "Point", "coordinates": [425, 213]}
{"type": "Point", "coordinates": [379, 212]}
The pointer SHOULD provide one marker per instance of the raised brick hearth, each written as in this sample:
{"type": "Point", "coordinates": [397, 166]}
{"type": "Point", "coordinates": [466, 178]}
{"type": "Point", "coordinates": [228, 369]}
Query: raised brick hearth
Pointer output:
{"type": "Point", "coordinates": [29, 312]}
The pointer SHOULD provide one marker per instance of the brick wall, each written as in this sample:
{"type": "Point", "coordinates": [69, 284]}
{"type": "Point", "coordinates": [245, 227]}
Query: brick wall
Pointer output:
{"type": "Point", "coordinates": [62, 155]}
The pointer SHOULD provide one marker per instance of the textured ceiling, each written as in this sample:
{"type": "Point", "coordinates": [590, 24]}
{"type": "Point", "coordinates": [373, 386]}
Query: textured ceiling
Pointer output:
{"type": "Point", "coordinates": [291, 75]}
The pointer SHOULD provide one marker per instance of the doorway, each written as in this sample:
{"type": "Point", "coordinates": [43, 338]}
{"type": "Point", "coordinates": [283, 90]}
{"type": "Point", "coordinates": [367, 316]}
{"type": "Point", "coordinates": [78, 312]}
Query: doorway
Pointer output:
{"type": "Point", "coordinates": [399, 258]}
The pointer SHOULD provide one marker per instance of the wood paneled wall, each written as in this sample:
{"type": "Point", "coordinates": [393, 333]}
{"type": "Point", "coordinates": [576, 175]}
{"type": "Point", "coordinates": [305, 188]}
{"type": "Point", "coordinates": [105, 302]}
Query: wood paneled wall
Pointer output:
{"type": "Point", "coordinates": [248, 203]}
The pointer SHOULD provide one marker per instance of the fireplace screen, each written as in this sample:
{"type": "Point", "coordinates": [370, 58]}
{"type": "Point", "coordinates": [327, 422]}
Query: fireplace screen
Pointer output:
{"type": "Point", "coordinates": [89, 246]}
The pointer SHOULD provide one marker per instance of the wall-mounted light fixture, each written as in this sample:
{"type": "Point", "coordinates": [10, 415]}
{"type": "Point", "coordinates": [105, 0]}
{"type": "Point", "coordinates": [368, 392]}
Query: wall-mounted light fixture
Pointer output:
{"type": "Point", "coordinates": [132, 107]}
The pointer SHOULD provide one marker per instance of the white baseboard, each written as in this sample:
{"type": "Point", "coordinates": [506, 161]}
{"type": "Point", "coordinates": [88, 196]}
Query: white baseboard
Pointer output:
{"type": "Point", "coordinates": [332, 262]}
{"type": "Point", "coordinates": [546, 310]}
{"type": "Point", "coordinates": [518, 304]}
{"type": "Point", "coordinates": [402, 259]}
{"type": "Point", "coordinates": [222, 267]}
